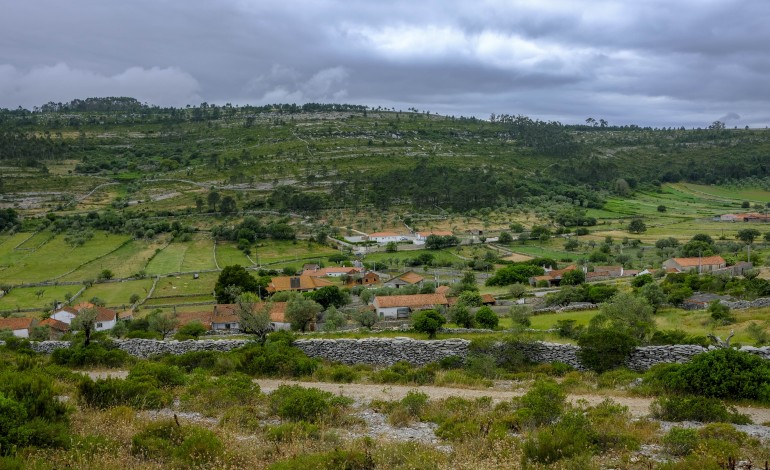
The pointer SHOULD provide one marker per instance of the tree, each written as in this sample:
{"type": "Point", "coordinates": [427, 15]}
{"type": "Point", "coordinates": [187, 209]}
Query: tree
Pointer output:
{"type": "Point", "coordinates": [85, 321]}
{"type": "Point", "coordinates": [334, 319]}
{"type": "Point", "coordinates": [505, 237]}
{"type": "Point", "coordinates": [605, 348]}
{"type": "Point", "coordinates": [486, 318]}
{"type": "Point", "coordinates": [573, 277]}
{"type": "Point", "coordinates": [428, 321]}
{"type": "Point", "coordinates": [134, 298]}
{"type": "Point", "coordinates": [254, 315]}
{"type": "Point", "coordinates": [228, 205]}
{"type": "Point", "coordinates": [571, 244]}
{"type": "Point", "coordinates": [391, 247]}
{"type": "Point", "coordinates": [470, 298]}
{"type": "Point", "coordinates": [517, 291]}
{"type": "Point", "coordinates": [192, 330]}
{"type": "Point", "coordinates": [236, 276]}
{"type": "Point", "coordinates": [520, 315]}
{"type": "Point", "coordinates": [626, 313]}
{"type": "Point", "coordinates": [199, 203]}
{"type": "Point", "coordinates": [654, 295]}
{"type": "Point", "coordinates": [301, 312]}
{"type": "Point", "coordinates": [637, 226]}
{"type": "Point", "coordinates": [661, 208]}
{"type": "Point", "coordinates": [460, 315]}
{"type": "Point", "coordinates": [213, 199]}
{"type": "Point", "coordinates": [366, 318]}
{"type": "Point", "coordinates": [163, 323]}
{"type": "Point", "coordinates": [329, 296]}
{"type": "Point", "coordinates": [720, 313]}
{"type": "Point", "coordinates": [747, 235]}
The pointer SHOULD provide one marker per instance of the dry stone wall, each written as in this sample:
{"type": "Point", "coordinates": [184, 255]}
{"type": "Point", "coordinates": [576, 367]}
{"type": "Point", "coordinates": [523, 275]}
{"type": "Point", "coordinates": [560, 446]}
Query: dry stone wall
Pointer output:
{"type": "Point", "coordinates": [387, 351]}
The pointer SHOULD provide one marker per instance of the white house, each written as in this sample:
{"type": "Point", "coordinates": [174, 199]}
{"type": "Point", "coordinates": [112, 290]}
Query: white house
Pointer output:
{"type": "Point", "coordinates": [422, 236]}
{"type": "Point", "coordinates": [386, 237]}
{"type": "Point", "coordinates": [65, 315]}
{"type": "Point", "coordinates": [20, 327]}
{"type": "Point", "coordinates": [105, 318]}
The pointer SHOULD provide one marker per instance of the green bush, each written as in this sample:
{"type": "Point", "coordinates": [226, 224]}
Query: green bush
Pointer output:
{"type": "Point", "coordinates": [702, 409]}
{"type": "Point", "coordinates": [414, 402]}
{"type": "Point", "coordinates": [193, 360]}
{"type": "Point", "coordinates": [334, 460]}
{"type": "Point", "coordinates": [338, 373]}
{"type": "Point", "coordinates": [104, 354]}
{"type": "Point", "coordinates": [189, 445]}
{"type": "Point", "coordinates": [724, 373]}
{"type": "Point", "coordinates": [288, 432]}
{"type": "Point", "coordinates": [109, 392]}
{"type": "Point", "coordinates": [680, 441]}
{"type": "Point", "coordinates": [602, 349]}
{"type": "Point", "coordinates": [297, 403]}
{"type": "Point", "coordinates": [192, 330]}
{"type": "Point", "coordinates": [161, 375]}
{"type": "Point", "coordinates": [404, 373]}
{"type": "Point", "coordinates": [568, 329]}
{"type": "Point", "coordinates": [486, 318]}
{"type": "Point", "coordinates": [428, 321]}
{"type": "Point", "coordinates": [543, 404]}
{"type": "Point", "coordinates": [275, 358]}
{"type": "Point", "coordinates": [210, 395]}
{"type": "Point", "coordinates": [570, 437]}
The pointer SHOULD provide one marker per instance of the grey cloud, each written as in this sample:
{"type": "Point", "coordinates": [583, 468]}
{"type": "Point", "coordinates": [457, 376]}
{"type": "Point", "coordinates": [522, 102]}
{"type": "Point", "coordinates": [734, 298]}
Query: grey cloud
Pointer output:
{"type": "Point", "coordinates": [655, 62]}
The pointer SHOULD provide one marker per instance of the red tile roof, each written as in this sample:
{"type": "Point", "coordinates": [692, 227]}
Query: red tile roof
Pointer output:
{"type": "Point", "coordinates": [417, 300]}
{"type": "Point", "coordinates": [55, 324]}
{"type": "Point", "coordinates": [228, 313]}
{"type": "Point", "coordinates": [703, 261]}
{"type": "Point", "coordinates": [283, 283]}
{"type": "Point", "coordinates": [15, 323]}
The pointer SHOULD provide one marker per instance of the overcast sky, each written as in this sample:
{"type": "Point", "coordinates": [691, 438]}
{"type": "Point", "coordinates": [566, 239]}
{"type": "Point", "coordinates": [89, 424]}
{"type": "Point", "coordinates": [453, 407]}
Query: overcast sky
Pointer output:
{"type": "Point", "coordinates": [650, 62]}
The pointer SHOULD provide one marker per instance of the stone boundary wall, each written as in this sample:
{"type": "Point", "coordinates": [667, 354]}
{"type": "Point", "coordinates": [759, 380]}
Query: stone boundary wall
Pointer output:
{"type": "Point", "coordinates": [387, 351]}
{"type": "Point", "coordinates": [741, 304]}
{"type": "Point", "coordinates": [383, 351]}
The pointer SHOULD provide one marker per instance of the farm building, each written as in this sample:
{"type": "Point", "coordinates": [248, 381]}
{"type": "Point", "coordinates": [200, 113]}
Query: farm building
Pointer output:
{"type": "Point", "coordinates": [552, 277]}
{"type": "Point", "coordinates": [704, 264]}
{"type": "Point", "coordinates": [225, 317]}
{"type": "Point", "coordinates": [409, 278]}
{"type": "Point", "coordinates": [20, 327]}
{"type": "Point", "coordinates": [105, 318]}
{"type": "Point", "coordinates": [401, 306]}
{"type": "Point", "coordinates": [301, 283]}
{"type": "Point", "coordinates": [385, 237]}
{"type": "Point", "coordinates": [334, 271]}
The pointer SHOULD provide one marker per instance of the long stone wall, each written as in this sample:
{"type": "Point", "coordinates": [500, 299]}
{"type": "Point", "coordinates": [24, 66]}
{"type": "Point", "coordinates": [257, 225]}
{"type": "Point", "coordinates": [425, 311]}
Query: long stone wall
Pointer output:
{"type": "Point", "coordinates": [387, 351]}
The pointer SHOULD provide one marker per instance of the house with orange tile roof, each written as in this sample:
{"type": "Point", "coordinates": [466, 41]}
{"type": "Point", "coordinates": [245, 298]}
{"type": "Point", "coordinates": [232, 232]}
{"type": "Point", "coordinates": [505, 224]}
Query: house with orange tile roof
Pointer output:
{"type": "Point", "coordinates": [422, 236]}
{"type": "Point", "coordinates": [401, 306]}
{"type": "Point", "coordinates": [57, 328]}
{"type": "Point", "coordinates": [333, 271]}
{"type": "Point", "coordinates": [225, 317]}
{"type": "Point", "coordinates": [105, 318]}
{"type": "Point", "coordinates": [552, 277]}
{"type": "Point", "coordinates": [301, 283]}
{"type": "Point", "coordinates": [409, 278]}
{"type": "Point", "coordinates": [20, 327]}
{"type": "Point", "coordinates": [700, 264]}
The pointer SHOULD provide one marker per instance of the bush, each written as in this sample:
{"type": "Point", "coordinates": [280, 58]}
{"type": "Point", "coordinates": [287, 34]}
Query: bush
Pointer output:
{"type": "Point", "coordinates": [404, 373]}
{"type": "Point", "coordinates": [542, 404]}
{"type": "Point", "coordinates": [520, 315]}
{"type": "Point", "coordinates": [701, 409]}
{"type": "Point", "coordinates": [160, 375]}
{"type": "Point", "coordinates": [486, 318]}
{"type": "Point", "coordinates": [288, 432]}
{"type": "Point", "coordinates": [104, 354]}
{"type": "Point", "coordinates": [570, 437]}
{"type": "Point", "coordinates": [680, 441]}
{"type": "Point", "coordinates": [602, 349]}
{"type": "Point", "coordinates": [338, 373]}
{"type": "Point", "coordinates": [297, 403]}
{"type": "Point", "coordinates": [568, 329]}
{"type": "Point", "coordinates": [210, 395]}
{"type": "Point", "coordinates": [190, 445]}
{"type": "Point", "coordinates": [136, 393]}
{"type": "Point", "coordinates": [276, 358]}
{"type": "Point", "coordinates": [334, 460]}
{"type": "Point", "coordinates": [460, 315]}
{"type": "Point", "coordinates": [192, 330]}
{"type": "Point", "coordinates": [723, 373]}
{"type": "Point", "coordinates": [428, 321]}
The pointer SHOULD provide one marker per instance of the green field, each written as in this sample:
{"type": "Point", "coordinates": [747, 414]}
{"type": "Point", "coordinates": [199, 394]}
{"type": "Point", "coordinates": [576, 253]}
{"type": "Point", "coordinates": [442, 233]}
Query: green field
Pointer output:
{"type": "Point", "coordinates": [117, 294]}
{"type": "Point", "coordinates": [185, 285]}
{"type": "Point", "coordinates": [26, 297]}
{"type": "Point", "coordinates": [286, 251]}
{"type": "Point", "coordinates": [126, 261]}
{"type": "Point", "coordinates": [228, 254]}
{"type": "Point", "coordinates": [57, 258]}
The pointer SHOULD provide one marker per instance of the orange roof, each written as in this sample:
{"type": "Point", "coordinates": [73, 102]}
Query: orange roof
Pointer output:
{"type": "Point", "coordinates": [487, 299]}
{"type": "Point", "coordinates": [417, 300]}
{"type": "Point", "coordinates": [282, 283]}
{"type": "Point", "coordinates": [443, 289]}
{"type": "Point", "coordinates": [411, 277]}
{"type": "Point", "coordinates": [703, 261]}
{"type": "Point", "coordinates": [55, 324]}
{"type": "Point", "coordinates": [183, 318]}
{"type": "Point", "coordinates": [15, 323]}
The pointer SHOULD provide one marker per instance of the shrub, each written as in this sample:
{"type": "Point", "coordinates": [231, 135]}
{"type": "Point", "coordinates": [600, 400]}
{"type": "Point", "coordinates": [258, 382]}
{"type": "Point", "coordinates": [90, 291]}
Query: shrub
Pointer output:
{"type": "Point", "coordinates": [104, 354]}
{"type": "Point", "coordinates": [602, 349]}
{"type": "Point", "coordinates": [191, 445]}
{"type": "Point", "coordinates": [193, 360]}
{"type": "Point", "coordinates": [428, 321]}
{"type": "Point", "coordinates": [334, 460]}
{"type": "Point", "coordinates": [461, 315]}
{"type": "Point", "coordinates": [702, 409]}
{"type": "Point", "coordinates": [192, 330]}
{"type": "Point", "coordinates": [414, 402]}
{"type": "Point", "coordinates": [486, 318]}
{"type": "Point", "coordinates": [275, 358]}
{"type": "Point", "coordinates": [724, 373]}
{"type": "Point", "coordinates": [288, 432]}
{"type": "Point", "coordinates": [210, 395]}
{"type": "Point", "coordinates": [404, 373]}
{"type": "Point", "coordinates": [338, 373]}
{"type": "Point", "coordinates": [720, 313]}
{"type": "Point", "coordinates": [297, 403]}
{"type": "Point", "coordinates": [680, 441]}
{"type": "Point", "coordinates": [542, 404]}
{"type": "Point", "coordinates": [160, 375]}
{"type": "Point", "coordinates": [199, 447]}
{"type": "Point", "coordinates": [520, 315]}
{"type": "Point", "coordinates": [570, 437]}
{"type": "Point", "coordinates": [106, 393]}
{"type": "Point", "coordinates": [568, 329]}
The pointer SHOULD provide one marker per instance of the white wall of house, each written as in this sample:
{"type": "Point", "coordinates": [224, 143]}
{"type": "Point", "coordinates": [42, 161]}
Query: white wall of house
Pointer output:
{"type": "Point", "coordinates": [388, 238]}
{"type": "Point", "coordinates": [64, 316]}
{"type": "Point", "coordinates": [278, 326]}
{"type": "Point", "coordinates": [388, 312]}
{"type": "Point", "coordinates": [105, 325]}
{"type": "Point", "coordinates": [22, 333]}
{"type": "Point", "coordinates": [225, 326]}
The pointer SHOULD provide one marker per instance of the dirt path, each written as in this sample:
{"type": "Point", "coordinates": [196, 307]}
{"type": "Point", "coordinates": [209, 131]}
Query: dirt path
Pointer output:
{"type": "Point", "coordinates": [637, 406]}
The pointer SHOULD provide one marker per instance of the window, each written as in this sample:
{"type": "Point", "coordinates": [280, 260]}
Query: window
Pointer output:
{"type": "Point", "coordinates": [98, 325]}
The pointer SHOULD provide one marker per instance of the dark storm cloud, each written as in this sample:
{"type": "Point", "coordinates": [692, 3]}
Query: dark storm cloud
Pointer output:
{"type": "Point", "coordinates": [654, 62]}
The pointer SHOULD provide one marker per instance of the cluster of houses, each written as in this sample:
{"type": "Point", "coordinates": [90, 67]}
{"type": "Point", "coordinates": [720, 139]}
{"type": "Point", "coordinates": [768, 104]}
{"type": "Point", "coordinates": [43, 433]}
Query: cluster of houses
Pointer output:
{"type": "Point", "coordinates": [60, 321]}
{"type": "Point", "coordinates": [745, 217]}
{"type": "Point", "coordinates": [382, 238]}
